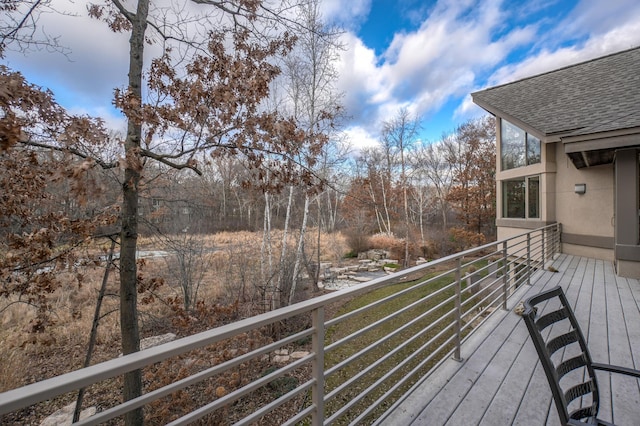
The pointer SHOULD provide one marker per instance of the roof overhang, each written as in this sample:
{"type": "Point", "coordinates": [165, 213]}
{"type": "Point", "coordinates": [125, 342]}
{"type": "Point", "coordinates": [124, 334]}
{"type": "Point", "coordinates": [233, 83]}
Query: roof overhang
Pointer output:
{"type": "Point", "coordinates": [595, 149]}
{"type": "Point", "coordinates": [585, 149]}
{"type": "Point", "coordinates": [515, 121]}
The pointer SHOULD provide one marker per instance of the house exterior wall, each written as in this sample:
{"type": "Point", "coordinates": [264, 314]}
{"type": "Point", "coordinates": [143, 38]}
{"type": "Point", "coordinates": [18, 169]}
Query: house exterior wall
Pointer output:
{"type": "Point", "coordinates": [588, 222]}
{"type": "Point", "coordinates": [587, 219]}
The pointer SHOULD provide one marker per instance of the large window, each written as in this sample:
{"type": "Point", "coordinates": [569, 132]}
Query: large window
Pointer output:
{"type": "Point", "coordinates": [521, 198]}
{"type": "Point", "coordinates": [517, 147]}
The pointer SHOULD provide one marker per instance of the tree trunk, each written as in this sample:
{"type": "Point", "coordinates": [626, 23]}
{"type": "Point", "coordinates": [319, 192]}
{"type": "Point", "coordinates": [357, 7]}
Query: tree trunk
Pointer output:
{"type": "Point", "coordinates": [266, 258]}
{"type": "Point", "coordinates": [285, 232]}
{"type": "Point", "coordinates": [421, 217]}
{"type": "Point", "coordinates": [129, 330]}
{"type": "Point", "coordinates": [375, 206]}
{"type": "Point", "coordinates": [387, 219]}
{"type": "Point", "coordinates": [444, 208]}
{"type": "Point", "coordinates": [93, 335]}
{"type": "Point", "coordinates": [406, 208]}
{"type": "Point", "coordinates": [316, 277]}
{"type": "Point", "coordinates": [299, 253]}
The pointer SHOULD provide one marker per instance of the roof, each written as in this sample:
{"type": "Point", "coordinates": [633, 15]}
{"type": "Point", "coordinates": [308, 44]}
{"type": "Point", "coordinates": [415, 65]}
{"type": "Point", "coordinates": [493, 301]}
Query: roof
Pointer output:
{"type": "Point", "coordinates": [596, 96]}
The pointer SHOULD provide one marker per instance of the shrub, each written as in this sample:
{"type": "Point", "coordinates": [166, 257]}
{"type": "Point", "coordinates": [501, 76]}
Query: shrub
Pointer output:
{"type": "Point", "coordinates": [463, 239]}
{"type": "Point", "coordinates": [357, 240]}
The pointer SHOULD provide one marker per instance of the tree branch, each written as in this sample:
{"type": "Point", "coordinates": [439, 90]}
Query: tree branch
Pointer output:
{"type": "Point", "coordinates": [164, 159]}
{"type": "Point", "coordinates": [73, 151]}
{"type": "Point", "coordinates": [18, 27]}
{"type": "Point", "coordinates": [130, 16]}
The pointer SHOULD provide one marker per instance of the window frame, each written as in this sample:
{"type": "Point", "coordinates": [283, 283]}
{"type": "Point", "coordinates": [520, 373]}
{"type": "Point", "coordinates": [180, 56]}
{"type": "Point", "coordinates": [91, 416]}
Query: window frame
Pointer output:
{"type": "Point", "coordinates": [524, 150]}
{"type": "Point", "coordinates": [530, 185]}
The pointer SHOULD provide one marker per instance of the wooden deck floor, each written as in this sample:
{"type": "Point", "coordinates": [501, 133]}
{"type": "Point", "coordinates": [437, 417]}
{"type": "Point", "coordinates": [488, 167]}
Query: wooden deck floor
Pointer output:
{"type": "Point", "coordinates": [501, 382]}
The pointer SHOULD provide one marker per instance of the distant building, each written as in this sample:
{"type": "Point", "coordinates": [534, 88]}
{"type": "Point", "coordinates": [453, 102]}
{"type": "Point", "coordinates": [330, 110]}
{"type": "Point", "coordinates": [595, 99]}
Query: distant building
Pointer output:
{"type": "Point", "coordinates": [568, 144]}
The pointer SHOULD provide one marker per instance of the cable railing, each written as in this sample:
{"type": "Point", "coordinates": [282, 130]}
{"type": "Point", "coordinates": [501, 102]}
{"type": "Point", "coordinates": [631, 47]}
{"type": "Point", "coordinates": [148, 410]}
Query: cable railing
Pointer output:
{"type": "Point", "coordinates": [382, 338]}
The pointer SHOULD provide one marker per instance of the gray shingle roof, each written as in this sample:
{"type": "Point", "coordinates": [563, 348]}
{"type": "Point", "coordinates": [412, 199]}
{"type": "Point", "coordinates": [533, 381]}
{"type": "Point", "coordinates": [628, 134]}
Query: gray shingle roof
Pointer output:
{"type": "Point", "coordinates": [591, 97]}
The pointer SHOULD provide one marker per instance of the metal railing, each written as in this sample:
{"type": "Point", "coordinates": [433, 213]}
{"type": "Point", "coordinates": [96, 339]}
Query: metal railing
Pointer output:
{"type": "Point", "coordinates": [385, 335]}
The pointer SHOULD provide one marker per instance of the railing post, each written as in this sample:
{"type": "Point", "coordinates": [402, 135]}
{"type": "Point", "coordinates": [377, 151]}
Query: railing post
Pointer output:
{"type": "Point", "coordinates": [528, 258]}
{"type": "Point", "coordinates": [544, 257]}
{"type": "Point", "coordinates": [458, 313]}
{"type": "Point", "coordinates": [505, 275]}
{"type": "Point", "coordinates": [317, 342]}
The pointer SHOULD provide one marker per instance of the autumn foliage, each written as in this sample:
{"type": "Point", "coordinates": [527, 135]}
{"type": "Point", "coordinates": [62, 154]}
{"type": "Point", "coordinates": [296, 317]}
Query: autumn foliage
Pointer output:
{"type": "Point", "coordinates": [45, 194]}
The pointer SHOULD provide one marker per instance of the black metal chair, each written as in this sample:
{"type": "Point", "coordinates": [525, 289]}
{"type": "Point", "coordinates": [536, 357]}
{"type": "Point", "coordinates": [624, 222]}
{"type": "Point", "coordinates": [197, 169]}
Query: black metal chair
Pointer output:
{"type": "Point", "coordinates": [565, 358]}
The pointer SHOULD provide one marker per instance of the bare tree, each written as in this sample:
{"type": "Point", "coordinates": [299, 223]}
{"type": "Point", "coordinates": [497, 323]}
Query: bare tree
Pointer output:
{"type": "Point", "coordinates": [431, 162]}
{"type": "Point", "coordinates": [399, 134]}
{"type": "Point", "coordinates": [310, 84]}
{"type": "Point", "coordinates": [378, 183]}
{"type": "Point", "coordinates": [19, 28]}
{"type": "Point", "coordinates": [187, 261]}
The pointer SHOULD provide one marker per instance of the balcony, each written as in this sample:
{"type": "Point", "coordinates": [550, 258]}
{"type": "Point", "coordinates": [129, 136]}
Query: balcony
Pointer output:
{"type": "Point", "coordinates": [501, 382]}
{"type": "Point", "coordinates": [434, 344]}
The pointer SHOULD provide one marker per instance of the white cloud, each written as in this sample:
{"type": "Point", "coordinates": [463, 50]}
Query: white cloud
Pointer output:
{"type": "Point", "coordinates": [622, 37]}
{"type": "Point", "coordinates": [360, 79]}
{"type": "Point", "coordinates": [345, 13]}
{"type": "Point", "coordinates": [360, 138]}
{"type": "Point", "coordinates": [423, 69]}
{"type": "Point", "coordinates": [593, 29]}
{"type": "Point", "coordinates": [97, 63]}
{"type": "Point", "coordinates": [468, 110]}
{"type": "Point", "coordinates": [461, 46]}
{"type": "Point", "coordinates": [593, 17]}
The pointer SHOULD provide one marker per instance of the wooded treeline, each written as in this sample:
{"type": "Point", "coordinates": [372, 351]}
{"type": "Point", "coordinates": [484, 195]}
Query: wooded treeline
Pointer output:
{"type": "Point", "coordinates": [450, 185]}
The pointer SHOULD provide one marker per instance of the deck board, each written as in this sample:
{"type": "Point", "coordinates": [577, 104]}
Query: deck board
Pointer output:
{"type": "Point", "coordinates": [500, 380]}
{"type": "Point", "coordinates": [625, 391]}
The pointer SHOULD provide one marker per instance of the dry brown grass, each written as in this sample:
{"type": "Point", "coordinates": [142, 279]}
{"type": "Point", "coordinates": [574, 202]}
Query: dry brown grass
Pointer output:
{"type": "Point", "coordinates": [235, 266]}
{"type": "Point", "coordinates": [232, 279]}
{"type": "Point", "coordinates": [393, 244]}
{"type": "Point", "coordinates": [332, 246]}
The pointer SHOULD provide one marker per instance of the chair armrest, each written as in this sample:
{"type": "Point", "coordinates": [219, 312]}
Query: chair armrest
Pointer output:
{"type": "Point", "coordinates": [595, 422]}
{"type": "Point", "coordinates": [616, 369]}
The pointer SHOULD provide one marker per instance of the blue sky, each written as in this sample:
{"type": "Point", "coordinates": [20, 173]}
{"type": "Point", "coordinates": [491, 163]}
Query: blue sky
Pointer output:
{"type": "Point", "coordinates": [426, 56]}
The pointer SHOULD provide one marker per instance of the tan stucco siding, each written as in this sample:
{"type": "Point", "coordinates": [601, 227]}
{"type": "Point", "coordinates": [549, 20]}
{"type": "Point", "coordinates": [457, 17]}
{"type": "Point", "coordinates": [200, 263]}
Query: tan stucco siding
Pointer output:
{"type": "Point", "coordinates": [587, 220]}
{"type": "Point", "coordinates": [589, 214]}
{"type": "Point", "coordinates": [593, 252]}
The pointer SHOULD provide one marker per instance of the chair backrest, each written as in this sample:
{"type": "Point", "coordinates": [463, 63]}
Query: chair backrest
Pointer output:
{"type": "Point", "coordinates": [563, 354]}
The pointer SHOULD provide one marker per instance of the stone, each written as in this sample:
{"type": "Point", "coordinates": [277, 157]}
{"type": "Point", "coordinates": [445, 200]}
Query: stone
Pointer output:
{"type": "Point", "coordinates": [64, 416]}
{"type": "Point", "coordinates": [281, 359]}
{"type": "Point", "coordinates": [281, 352]}
{"type": "Point", "coordinates": [299, 354]}
{"type": "Point", "coordinates": [152, 341]}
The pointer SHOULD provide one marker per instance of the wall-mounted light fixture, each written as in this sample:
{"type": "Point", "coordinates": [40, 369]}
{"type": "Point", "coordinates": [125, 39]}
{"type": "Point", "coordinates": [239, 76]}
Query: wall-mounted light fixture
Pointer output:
{"type": "Point", "coordinates": [580, 188]}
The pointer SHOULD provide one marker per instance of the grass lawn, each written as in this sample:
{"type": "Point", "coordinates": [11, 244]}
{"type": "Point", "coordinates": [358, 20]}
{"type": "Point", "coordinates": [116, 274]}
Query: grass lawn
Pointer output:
{"type": "Point", "coordinates": [385, 352]}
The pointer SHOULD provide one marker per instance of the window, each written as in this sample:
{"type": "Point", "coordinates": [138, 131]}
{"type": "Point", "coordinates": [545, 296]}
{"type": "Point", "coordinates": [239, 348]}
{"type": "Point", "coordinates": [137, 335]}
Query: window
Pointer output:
{"type": "Point", "coordinates": [521, 198]}
{"type": "Point", "coordinates": [518, 148]}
